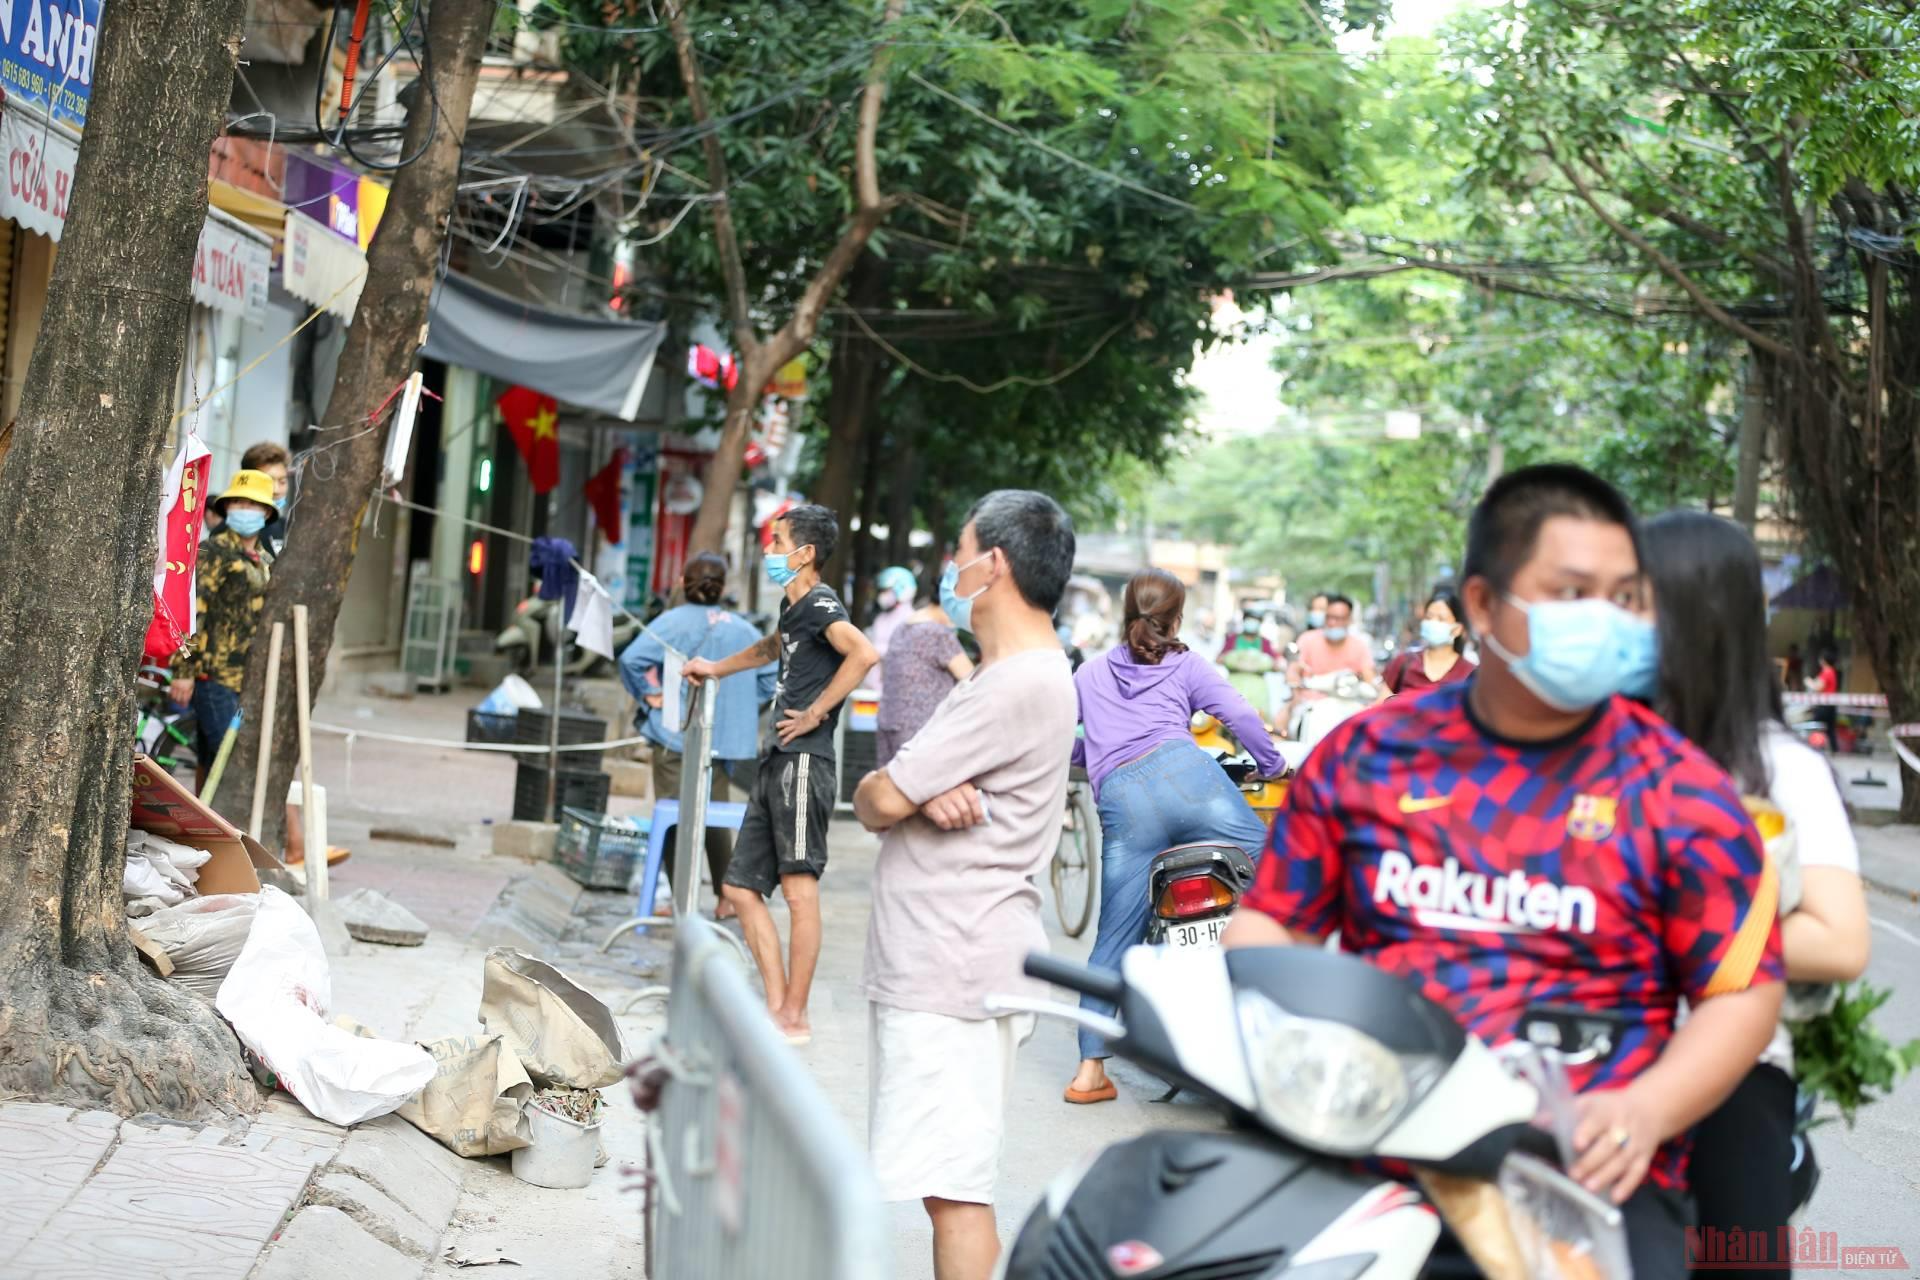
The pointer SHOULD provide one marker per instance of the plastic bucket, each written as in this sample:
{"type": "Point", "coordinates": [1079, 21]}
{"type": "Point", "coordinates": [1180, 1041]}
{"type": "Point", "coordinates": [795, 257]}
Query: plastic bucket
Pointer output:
{"type": "Point", "coordinates": [562, 1152]}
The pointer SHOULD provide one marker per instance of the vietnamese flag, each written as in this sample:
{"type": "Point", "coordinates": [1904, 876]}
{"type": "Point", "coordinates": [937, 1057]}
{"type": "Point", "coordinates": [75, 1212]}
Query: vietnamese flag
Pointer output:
{"type": "Point", "coordinates": [603, 493]}
{"type": "Point", "coordinates": [534, 420]}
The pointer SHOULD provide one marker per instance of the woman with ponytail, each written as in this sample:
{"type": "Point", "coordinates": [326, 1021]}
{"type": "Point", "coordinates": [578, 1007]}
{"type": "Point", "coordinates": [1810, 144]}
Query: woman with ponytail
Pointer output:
{"type": "Point", "coordinates": [1153, 787]}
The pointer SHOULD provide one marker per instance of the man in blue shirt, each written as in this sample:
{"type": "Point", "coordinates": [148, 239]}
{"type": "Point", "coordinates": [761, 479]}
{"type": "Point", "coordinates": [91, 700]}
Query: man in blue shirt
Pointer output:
{"type": "Point", "coordinates": [701, 629]}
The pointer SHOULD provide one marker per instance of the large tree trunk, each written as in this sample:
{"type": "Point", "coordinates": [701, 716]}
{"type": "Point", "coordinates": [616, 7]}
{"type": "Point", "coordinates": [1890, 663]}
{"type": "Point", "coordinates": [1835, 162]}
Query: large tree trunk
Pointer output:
{"type": "Point", "coordinates": [855, 370]}
{"type": "Point", "coordinates": [901, 491]}
{"type": "Point", "coordinates": [81, 1020]}
{"type": "Point", "coordinates": [387, 330]}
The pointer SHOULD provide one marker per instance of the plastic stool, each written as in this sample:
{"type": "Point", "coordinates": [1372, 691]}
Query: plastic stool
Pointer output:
{"type": "Point", "coordinates": [727, 815]}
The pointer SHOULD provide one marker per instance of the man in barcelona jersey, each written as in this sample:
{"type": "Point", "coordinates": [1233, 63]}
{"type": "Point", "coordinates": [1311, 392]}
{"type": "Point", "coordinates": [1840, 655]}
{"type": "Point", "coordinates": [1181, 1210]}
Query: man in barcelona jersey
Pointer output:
{"type": "Point", "coordinates": [1527, 837]}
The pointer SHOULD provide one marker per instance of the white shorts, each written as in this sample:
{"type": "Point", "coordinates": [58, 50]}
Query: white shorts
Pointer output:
{"type": "Point", "coordinates": [937, 1101]}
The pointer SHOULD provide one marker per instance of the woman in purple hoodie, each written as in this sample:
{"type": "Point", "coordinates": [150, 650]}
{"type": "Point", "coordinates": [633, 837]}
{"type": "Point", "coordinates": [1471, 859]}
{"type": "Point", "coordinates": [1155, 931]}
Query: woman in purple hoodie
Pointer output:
{"type": "Point", "coordinates": [1154, 788]}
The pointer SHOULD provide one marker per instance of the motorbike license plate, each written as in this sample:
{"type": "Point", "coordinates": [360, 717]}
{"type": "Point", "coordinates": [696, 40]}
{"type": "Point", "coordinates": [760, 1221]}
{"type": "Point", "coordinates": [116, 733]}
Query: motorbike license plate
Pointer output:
{"type": "Point", "coordinates": [1201, 933]}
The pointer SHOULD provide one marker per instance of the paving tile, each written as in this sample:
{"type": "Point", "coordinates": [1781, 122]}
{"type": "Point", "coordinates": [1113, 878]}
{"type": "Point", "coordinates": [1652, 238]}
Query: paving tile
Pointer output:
{"type": "Point", "coordinates": [322, 1243]}
{"type": "Point", "coordinates": [45, 1154]}
{"type": "Point", "coordinates": [385, 1218]}
{"type": "Point", "coordinates": [164, 1179]}
{"type": "Point", "coordinates": [101, 1244]}
{"type": "Point", "coordinates": [407, 1165]}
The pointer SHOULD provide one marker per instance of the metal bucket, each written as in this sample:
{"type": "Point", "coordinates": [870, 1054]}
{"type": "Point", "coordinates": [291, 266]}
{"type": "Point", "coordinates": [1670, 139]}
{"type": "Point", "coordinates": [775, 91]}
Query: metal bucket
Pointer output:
{"type": "Point", "coordinates": [562, 1151]}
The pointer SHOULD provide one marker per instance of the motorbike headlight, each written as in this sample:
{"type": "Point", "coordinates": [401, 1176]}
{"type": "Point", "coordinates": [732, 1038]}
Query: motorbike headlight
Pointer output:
{"type": "Point", "coordinates": [1323, 1083]}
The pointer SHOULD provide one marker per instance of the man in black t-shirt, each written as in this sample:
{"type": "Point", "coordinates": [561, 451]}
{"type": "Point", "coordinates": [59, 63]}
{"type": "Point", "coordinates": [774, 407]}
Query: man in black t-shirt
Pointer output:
{"type": "Point", "coordinates": [823, 658]}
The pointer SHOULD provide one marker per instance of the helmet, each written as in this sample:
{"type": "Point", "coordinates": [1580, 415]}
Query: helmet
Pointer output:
{"type": "Point", "coordinates": [899, 580]}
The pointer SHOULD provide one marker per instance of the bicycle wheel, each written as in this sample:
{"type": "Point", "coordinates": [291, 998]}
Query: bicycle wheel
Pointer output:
{"type": "Point", "coordinates": [1075, 871]}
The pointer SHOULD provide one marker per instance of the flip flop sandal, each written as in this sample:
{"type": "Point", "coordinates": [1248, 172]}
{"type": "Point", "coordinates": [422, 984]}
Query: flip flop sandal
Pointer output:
{"type": "Point", "coordinates": [1083, 1097]}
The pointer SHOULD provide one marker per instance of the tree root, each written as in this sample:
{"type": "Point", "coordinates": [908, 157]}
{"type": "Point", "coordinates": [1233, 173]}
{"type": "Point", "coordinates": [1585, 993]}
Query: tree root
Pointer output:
{"type": "Point", "coordinates": [122, 1040]}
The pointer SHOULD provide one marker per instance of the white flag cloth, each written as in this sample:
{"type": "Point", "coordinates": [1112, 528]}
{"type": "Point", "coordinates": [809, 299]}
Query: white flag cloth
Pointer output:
{"type": "Point", "coordinates": [592, 620]}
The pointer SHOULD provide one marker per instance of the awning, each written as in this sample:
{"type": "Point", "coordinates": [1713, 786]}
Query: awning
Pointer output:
{"type": "Point", "coordinates": [1819, 591]}
{"type": "Point", "coordinates": [263, 213]}
{"type": "Point", "coordinates": [230, 265]}
{"type": "Point", "coordinates": [321, 268]}
{"type": "Point", "coordinates": [582, 360]}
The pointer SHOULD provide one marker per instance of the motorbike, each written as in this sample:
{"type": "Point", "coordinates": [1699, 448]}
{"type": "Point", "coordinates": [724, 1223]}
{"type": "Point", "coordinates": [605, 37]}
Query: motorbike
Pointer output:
{"type": "Point", "coordinates": [1347, 695]}
{"type": "Point", "coordinates": [529, 638]}
{"type": "Point", "coordinates": [1319, 1059]}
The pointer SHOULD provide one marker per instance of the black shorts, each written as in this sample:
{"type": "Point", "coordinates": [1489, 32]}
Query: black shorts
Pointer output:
{"type": "Point", "coordinates": [785, 830]}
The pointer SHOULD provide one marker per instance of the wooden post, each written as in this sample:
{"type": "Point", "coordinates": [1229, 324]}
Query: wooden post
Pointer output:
{"type": "Point", "coordinates": [266, 732]}
{"type": "Point", "coordinates": [316, 856]}
{"type": "Point", "coordinates": [553, 721]}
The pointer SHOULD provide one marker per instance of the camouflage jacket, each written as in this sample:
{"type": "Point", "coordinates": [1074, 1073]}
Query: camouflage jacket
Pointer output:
{"type": "Point", "coordinates": [231, 587]}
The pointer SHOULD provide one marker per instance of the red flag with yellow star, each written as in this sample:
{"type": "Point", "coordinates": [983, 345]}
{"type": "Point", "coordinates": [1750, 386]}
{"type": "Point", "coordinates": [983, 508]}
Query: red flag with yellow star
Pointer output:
{"type": "Point", "coordinates": [534, 420]}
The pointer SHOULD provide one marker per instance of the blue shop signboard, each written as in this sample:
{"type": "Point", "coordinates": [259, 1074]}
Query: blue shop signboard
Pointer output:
{"type": "Point", "coordinates": [46, 54]}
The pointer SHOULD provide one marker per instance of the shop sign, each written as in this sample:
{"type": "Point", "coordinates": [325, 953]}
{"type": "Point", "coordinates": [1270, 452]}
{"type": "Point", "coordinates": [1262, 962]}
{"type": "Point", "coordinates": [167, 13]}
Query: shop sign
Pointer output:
{"type": "Point", "coordinates": [230, 270]}
{"type": "Point", "coordinates": [39, 179]}
{"type": "Point", "coordinates": [46, 54]}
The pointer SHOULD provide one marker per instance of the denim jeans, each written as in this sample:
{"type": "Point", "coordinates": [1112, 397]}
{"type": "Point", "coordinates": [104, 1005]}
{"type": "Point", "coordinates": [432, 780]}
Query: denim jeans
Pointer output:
{"type": "Point", "coordinates": [1175, 794]}
{"type": "Point", "coordinates": [214, 707]}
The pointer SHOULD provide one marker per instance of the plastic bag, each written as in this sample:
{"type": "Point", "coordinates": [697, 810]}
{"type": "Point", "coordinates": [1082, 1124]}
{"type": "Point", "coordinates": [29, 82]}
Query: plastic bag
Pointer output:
{"type": "Point", "coordinates": [561, 1032]}
{"type": "Point", "coordinates": [510, 696]}
{"type": "Point", "coordinates": [203, 937]}
{"type": "Point", "coordinates": [277, 997]}
{"type": "Point", "coordinates": [160, 868]}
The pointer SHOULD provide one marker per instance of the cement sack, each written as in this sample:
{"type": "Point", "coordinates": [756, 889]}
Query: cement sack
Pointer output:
{"type": "Point", "coordinates": [472, 1105]}
{"type": "Point", "coordinates": [203, 937]}
{"type": "Point", "coordinates": [277, 997]}
{"type": "Point", "coordinates": [561, 1033]}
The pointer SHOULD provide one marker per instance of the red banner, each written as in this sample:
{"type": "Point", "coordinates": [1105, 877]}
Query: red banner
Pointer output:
{"type": "Point", "coordinates": [182, 513]}
{"type": "Point", "coordinates": [680, 494]}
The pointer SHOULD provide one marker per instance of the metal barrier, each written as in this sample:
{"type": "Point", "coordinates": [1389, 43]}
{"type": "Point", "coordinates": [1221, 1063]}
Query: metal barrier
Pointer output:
{"type": "Point", "coordinates": [752, 1173]}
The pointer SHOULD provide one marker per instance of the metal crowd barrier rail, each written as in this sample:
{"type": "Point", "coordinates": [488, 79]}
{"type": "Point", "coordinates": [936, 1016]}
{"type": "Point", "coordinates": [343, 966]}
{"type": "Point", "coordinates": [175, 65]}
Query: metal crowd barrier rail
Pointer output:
{"type": "Point", "coordinates": [752, 1173]}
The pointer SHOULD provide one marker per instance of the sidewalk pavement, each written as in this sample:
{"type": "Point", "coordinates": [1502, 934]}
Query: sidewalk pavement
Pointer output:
{"type": "Point", "coordinates": [284, 1196]}
{"type": "Point", "coordinates": [1044, 1134]}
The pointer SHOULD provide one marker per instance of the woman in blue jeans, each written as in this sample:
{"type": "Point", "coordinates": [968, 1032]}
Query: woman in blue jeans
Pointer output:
{"type": "Point", "coordinates": [1154, 788]}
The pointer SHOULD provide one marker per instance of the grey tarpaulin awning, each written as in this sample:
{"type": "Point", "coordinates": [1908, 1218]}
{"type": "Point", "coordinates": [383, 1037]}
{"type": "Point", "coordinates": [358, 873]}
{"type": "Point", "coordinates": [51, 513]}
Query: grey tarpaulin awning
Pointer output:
{"type": "Point", "coordinates": [579, 360]}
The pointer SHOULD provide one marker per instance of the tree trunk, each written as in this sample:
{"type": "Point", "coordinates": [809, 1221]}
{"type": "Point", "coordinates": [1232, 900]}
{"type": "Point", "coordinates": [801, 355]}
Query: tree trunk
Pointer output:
{"type": "Point", "coordinates": [387, 331]}
{"type": "Point", "coordinates": [901, 487]}
{"type": "Point", "coordinates": [856, 371]}
{"type": "Point", "coordinates": [759, 359]}
{"type": "Point", "coordinates": [81, 1019]}
{"type": "Point", "coordinates": [1854, 479]}
{"type": "Point", "coordinates": [1750, 451]}
{"type": "Point", "coordinates": [864, 543]}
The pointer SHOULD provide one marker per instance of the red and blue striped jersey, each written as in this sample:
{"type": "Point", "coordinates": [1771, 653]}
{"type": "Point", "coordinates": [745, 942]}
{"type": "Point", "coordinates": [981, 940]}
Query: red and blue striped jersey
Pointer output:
{"type": "Point", "coordinates": [1613, 869]}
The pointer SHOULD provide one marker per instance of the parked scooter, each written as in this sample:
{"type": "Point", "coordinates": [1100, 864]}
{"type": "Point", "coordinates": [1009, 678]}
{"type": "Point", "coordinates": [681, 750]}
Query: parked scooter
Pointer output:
{"type": "Point", "coordinates": [529, 639]}
{"type": "Point", "coordinates": [1318, 1059]}
{"type": "Point", "coordinates": [1193, 888]}
{"type": "Point", "coordinates": [1347, 695]}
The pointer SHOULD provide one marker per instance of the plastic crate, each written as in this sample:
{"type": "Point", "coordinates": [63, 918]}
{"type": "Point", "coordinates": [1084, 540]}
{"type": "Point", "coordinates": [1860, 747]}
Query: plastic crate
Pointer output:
{"type": "Point", "coordinates": [532, 726]}
{"type": "Point", "coordinates": [490, 726]}
{"type": "Point", "coordinates": [598, 851]}
{"type": "Point", "coordinates": [584, 791]}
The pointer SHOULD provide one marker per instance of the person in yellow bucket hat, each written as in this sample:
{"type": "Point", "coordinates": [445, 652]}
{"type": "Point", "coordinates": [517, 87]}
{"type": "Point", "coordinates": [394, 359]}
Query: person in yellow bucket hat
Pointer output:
{"type": "Point", "coordinates": [231, 588]}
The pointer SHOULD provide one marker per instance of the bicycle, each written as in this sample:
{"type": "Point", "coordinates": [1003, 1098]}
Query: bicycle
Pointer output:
{"type": "Point", "coordinates": [163, 735]}
{"type": "Point", "coordinates": [1075, 870]}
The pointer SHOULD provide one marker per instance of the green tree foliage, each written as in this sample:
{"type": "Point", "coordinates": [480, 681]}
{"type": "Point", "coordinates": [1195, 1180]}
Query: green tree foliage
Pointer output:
{"type": "Point", "coordinates": [1750, 169]}
{"type": "Point", "coordinates": [1071, 183]}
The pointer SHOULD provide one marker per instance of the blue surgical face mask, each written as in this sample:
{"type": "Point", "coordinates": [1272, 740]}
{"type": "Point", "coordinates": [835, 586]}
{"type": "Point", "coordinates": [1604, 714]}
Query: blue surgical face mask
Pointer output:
{"type": "Point", "coordinates": [1316, 618]}
{"type": "Point", "coordinates": [279, 504]}
{"type": "Point", "coordinates": [775, 563]}
{"type": "Point", "coordinates": [247, 524]}
{"type": "Point", "coordinates": [1579, 652]}
{"type": "Point", "coordinates": [1436, 634]}
{"type": "Point", "coordinates": [959, 607]}
{"type": "Point", "coordinates": [1336, 634]}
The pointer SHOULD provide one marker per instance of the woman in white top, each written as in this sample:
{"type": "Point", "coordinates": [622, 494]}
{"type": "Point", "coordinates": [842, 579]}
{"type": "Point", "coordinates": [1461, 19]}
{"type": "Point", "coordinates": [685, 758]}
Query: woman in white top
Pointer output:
{"type": "Point", "coordinates": [1717, 686]}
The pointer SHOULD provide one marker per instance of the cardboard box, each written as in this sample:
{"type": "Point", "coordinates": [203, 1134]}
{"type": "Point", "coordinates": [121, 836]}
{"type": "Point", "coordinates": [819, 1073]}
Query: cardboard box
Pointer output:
{"type": "Point", "coordinates": [163, 806]}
